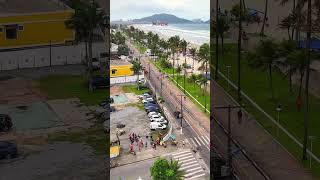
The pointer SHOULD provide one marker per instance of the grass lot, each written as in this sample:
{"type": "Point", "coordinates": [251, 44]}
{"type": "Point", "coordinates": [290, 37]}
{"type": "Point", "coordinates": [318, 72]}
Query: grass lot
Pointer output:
{"type": "Point", "coordinates": [133, 89]}
{"type": "Point", "coordinates": [255, 85]}
{"type": "Point", "coordinates": [66, 86]}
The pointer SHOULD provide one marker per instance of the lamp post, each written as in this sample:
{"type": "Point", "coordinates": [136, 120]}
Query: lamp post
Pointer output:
{"type": "Point", "coordinates": [311, 138]}
{"type": "Point", "coordinates": [181, 110]}
{"type": "Point", "coordinates": [279, 109]}
{"type": "Point", "coordinates": [229, 108]}
{"type": "Point", "coordinates": [228, 69]}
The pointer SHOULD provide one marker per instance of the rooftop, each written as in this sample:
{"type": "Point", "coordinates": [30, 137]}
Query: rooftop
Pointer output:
{"type": "Point", "coordinates": [13, 7]}
{"type": "Point", "coordinates": [119, 62]}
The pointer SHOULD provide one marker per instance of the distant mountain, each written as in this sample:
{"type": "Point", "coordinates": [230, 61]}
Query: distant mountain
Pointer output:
{"type": "Point", "coordinates": [197, 21]}
{"type": "Point", "coordinates": [168, 18]}
{"type": "Point", "coordinates": [207, 21]}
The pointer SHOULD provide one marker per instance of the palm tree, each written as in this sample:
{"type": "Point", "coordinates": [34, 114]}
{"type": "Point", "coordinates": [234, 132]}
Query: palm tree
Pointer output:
{"type": "Point", "coordinates": [265, 57]}
{"type": "Point", "coordinates": [289, 24]}
{"type": "Point", "coordinates": [265, 17]}
{"type": "Point", "coordinates": [285, 49]}
{"type": "Point", "coordinates": [89, 16]}
{"type": "Point", "coordinates": [204, 57]}
{"type": "Point", "coordinates": [174, 45]}
{"type": "Point", "coordinates": [184, 45]}
{"type": "Point", "coordinates": [193, 79]}
{"type": "Point", "coordinates": [164, 169]}
{"type": "Point", "coordinates": [223, 24]}
{"type": "Point", "coordinates": [193, 52]}
{"type": "Point", "coordinates": [137, 67]}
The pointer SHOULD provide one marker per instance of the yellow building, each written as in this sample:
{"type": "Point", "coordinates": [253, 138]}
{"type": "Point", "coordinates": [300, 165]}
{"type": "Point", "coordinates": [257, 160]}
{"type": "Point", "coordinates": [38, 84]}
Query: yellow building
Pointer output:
{"type": "Point", "coordinates": [120, 68]}
{"type": "Point", "coordinates": [34, 23]}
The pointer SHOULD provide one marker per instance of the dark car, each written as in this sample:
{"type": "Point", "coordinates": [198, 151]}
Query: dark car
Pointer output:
{"type": "Point", "coordinates": [8, 149]}
{"type": "Point", "coordinates": [99, 82]}
{"type": "Point", "coordinates": [149, 104]}
{"type": "Point", "coordinates": [5, 122]}
{"type": "Point", "coordinates": [152, 108]}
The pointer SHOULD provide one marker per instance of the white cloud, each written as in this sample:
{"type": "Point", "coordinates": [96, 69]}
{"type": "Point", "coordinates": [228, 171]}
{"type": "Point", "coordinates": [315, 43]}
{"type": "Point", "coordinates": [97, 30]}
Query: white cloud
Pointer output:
{"type": "Point", "coordinates": [131, 9]}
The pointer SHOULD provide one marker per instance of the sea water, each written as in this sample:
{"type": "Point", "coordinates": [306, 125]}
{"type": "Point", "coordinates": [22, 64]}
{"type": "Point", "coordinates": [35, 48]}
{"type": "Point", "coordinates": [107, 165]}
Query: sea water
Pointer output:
{"type": "Point", "coordinates": [192, 33]}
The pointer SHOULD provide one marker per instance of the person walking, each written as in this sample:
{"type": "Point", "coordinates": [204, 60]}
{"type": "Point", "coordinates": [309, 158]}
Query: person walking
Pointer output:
{"type": "Point", "coordinates": [131, 148]}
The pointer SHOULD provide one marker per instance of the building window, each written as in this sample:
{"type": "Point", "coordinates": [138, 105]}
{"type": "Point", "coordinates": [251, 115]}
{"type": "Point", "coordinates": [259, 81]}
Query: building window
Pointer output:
{"type": "Point", "coordinates": [11, 32]}
{"type": "Point", "coordinates": [113, 71]}
{"type": "Point", "coordinates": [20, 27]}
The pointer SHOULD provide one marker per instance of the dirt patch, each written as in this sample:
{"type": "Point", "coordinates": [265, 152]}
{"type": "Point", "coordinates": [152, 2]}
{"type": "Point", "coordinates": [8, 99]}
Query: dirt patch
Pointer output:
{"type": "Point", "coordinates": [20, 91]}
{"type": "Point", "coordinates": [116, 90]}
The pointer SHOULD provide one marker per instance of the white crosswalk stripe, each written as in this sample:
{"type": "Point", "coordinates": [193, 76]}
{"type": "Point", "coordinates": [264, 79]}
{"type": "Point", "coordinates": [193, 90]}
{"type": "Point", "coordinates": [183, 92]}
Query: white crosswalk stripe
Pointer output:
{"type": "Point", "coordinates": [199, 141]}
{"type": "Point", "coordinates": [189, 164]}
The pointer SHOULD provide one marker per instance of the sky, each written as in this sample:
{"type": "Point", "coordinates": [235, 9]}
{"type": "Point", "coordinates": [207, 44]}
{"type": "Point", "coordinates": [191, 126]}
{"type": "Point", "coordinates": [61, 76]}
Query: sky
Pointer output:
{"type": "Point", "coordinates": [134, 9]}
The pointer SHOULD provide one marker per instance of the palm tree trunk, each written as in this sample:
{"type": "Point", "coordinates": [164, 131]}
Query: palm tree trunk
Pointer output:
{"type": "Point", "coordinates": [290, 79]}
{"type": "Point", "coordinates": [271, 83]}
{"type": "Point", "coordinates": [265, 17]}
{"type": "Point", "coordinates": [192, 63]}
{"type": "Point", "coordinates": [300, 86]}
{"type": "Point", "coordinates": [184, 76]}
{"type": "Point", "coordinates": [90, 60]}
{"type": "Point", "coordinates": [239, 53]}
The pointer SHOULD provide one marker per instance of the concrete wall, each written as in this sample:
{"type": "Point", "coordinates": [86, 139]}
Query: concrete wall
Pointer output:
{"type": "Point", "coordinates": [40, 57]}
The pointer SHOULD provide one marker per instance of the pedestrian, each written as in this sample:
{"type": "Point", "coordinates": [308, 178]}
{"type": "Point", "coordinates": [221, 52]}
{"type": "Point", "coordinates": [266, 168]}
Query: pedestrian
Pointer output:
{"type": "Point", "coordinates": [131, 148]}
{"type": "Point", "coordinates": [141, 141]}
{"type": "Point", "coordinates": [139, 145]}
{"type": "Point", "coordinates": [183, 143]}
{"type": "Point", "coordinates": [146, 144]}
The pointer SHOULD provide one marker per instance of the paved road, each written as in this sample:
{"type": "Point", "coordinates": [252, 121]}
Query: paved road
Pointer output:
{"type": "Point", "coordinates": [186, 158]}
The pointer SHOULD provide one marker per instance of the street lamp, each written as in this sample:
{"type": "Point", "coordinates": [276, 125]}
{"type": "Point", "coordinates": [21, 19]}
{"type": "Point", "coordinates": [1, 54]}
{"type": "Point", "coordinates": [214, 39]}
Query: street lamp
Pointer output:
{"type": "Point", "coordinates": [228, 69]}
{"type": "Point", "coordinates": [279, 109]}
{"type": "Point", "coordinates": [229, 108]}
{"type": "Point", "coordinates": [311, 138]}
{"type": "Point", "coordinates": [181, 111]}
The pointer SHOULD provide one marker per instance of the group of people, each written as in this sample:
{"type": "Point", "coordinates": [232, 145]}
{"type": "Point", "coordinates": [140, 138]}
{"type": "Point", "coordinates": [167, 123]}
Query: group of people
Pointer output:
{"type": "Point", "coordinates": [134, 138]}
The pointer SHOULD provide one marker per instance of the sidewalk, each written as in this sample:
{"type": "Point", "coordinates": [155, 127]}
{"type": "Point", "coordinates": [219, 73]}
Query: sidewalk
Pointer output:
{"type": "Point", "coordinates": [259, 144]}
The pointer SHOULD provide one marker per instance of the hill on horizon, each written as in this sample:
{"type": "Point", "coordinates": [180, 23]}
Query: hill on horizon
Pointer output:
{"type": "Point", "coordinates": [169, 18]}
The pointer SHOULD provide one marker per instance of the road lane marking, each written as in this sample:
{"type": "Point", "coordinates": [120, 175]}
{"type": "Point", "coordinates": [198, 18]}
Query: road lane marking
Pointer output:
{"type": "Point", "coordinates": [194, 177]}
{"type": "Point", "coordinates": [201, 140]}
{"type": "Point", "coordinates": [174, 154]}
{"type": "Point", "coordinates": [197, 141]}
{"type": "Point", "coordinates": [186, 167]}
{"type": "Point", "coordinates": [182, 155]}
{"type": "Point", "coordinates": [193, 142]}
{"type": "Point", "coordinates": [204, 139]}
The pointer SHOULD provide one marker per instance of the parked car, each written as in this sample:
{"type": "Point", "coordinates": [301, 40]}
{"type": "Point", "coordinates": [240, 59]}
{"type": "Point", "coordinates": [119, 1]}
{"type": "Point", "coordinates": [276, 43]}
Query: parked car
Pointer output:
{"type": "Point", "coordinates": [141, 80]}
{"type": "Point", "coordinates": [99, 82]}
{"type": "Point", "coordinates": [151, 109]}
{"type": "Point", "coordinates": [153, 113]}
{"type": "Point", "coordinates": [5, 122]}
{"type": "Point", "coordinates": [156, 125]}
{"type": "Point", "coordinates": [144, 95]}
{"type": "Point", "coordinates": [156, 116]}
{"type": "Point", "coordinates": [149, 104]}
{"type": "Point", "coordinates": [163, 121]}
{"type": "Point", "coordinates": [148, 100]}
{"type": "Point", "coordinates": [8, 149]}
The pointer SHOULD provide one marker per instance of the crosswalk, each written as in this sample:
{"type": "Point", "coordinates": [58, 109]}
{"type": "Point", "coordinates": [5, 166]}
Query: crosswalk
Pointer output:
{"type": "Point", "coordinates": [198, 141]}
{"type": "Point", "coordinates": [189, 164]}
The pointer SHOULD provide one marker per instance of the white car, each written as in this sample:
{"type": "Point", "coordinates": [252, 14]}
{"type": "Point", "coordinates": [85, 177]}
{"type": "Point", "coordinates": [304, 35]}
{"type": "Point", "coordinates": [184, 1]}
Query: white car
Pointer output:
{"type": "Point", "coordinates": [156, 125]}
{"type": "Point", "coordinates": [147, 100]}
{"type": "Point", "coordinates": [156, 116]}
{"type": "Point", "coordinates": [141, 80]}
{"type": "Point", "coordinates": [153, 113]}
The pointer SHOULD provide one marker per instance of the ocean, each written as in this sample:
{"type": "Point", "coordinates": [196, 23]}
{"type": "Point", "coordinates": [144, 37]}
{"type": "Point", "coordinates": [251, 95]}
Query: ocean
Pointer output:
{"type": "Point", "coordinates": [192, 33]}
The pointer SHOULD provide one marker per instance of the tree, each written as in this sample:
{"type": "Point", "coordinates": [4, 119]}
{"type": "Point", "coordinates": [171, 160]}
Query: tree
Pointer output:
{"type": "Point", "coordinates": [203, 82]}
{"type": "Point", "coordinates": [288, 23]}
{"type": "Point", "coordinates": [285, 49]}
{"type": "Point", "coordinates": [184, 45]}
{"type": "Point", "coordinates": [265, 17]}
{"type": "Point", "coordinates": [123, 50]}
{"type": "Point", "coordinates": [168, 170]}
{"type": "Point", "coordinates": [174, 45]}
{"type": "Point", "coordinates": [204, 57]}
{"type": "Point", "coordinates": [193, 52]}
{"type": "Point", "coordinates": [137, 67]}
{"type": "Point", "coordinates": [87, 17]}
{"type": "Point", "coordinates": [178, 70]}
{"type": "Point", "coordinates": [265, 57]}
{"type": "Point", "coordinates": [193, 79]}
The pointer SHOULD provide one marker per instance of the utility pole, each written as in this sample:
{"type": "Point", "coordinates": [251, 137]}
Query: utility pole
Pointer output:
{"type": "Point", "coordinates": [306, 113]}
{"type": "Point", "coordinates": [50, 51]}
{"type": "Point", "coordinates": [181, 110]}
{"type": "Point", "coordinates": [217, 40]}
{"type": "Point", "coordinates": [239, 52]}
{"type": "Point", "coordinates": [229, 108]}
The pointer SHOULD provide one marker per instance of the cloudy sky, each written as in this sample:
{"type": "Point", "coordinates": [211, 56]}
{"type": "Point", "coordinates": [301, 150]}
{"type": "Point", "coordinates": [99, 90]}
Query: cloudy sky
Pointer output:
{"type": "Point", "coordinates": [132, 9]}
